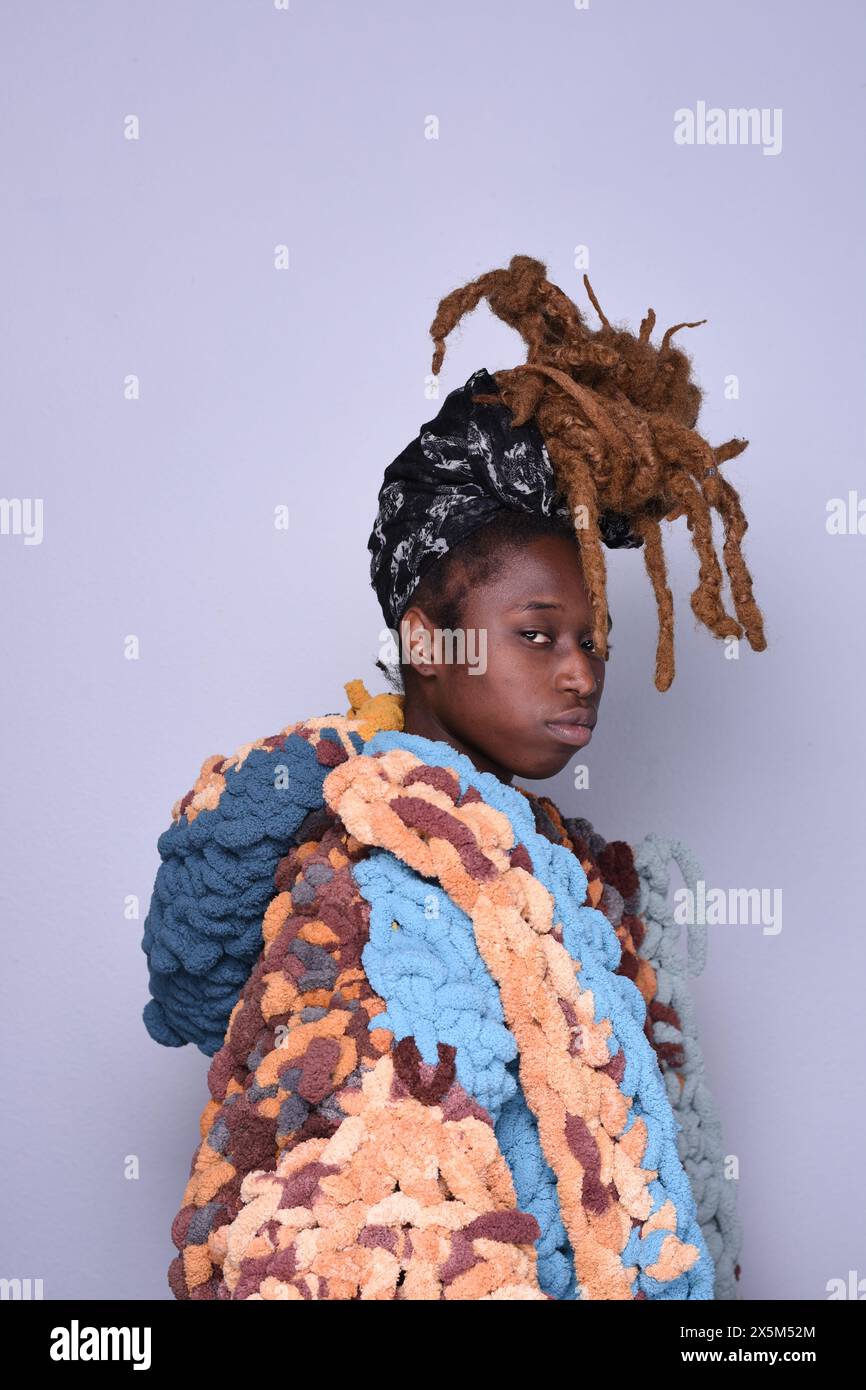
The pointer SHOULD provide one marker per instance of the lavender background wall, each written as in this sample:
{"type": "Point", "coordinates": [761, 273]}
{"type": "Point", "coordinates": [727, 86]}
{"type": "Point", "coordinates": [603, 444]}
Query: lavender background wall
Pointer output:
{"type": "Point", "coordinates": [258, 386]}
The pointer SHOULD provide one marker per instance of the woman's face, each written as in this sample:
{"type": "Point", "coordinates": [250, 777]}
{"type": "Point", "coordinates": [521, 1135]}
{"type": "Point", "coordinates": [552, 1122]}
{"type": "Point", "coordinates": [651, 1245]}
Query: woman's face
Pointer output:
{"type": "Point", "coordinates": [529, 661]}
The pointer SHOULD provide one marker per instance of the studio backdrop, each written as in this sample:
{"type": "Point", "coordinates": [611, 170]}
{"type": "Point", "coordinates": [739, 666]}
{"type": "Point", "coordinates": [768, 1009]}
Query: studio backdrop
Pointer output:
{"type": "Point", "coordinates": [227, 229]}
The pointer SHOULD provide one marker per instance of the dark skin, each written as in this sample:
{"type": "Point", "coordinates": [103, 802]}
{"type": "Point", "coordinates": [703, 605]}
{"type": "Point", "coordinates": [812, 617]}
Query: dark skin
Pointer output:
{"type": "Point", "coordinates": [540, 663]}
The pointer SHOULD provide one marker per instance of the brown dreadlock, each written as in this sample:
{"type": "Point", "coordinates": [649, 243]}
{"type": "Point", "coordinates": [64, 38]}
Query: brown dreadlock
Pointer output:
{"type": "Point", "coordinates": [618, 417]}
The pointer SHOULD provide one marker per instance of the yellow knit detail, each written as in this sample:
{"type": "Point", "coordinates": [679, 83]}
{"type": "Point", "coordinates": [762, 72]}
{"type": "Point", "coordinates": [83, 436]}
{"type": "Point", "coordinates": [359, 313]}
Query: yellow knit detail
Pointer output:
{"type": "Point", "coordinates": [375, 712]}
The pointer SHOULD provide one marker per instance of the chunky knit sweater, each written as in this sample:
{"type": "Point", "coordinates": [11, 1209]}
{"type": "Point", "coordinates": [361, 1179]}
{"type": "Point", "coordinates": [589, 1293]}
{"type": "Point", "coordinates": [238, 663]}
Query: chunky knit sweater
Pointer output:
{"type": "Point", "coordinates": [454, 1052]}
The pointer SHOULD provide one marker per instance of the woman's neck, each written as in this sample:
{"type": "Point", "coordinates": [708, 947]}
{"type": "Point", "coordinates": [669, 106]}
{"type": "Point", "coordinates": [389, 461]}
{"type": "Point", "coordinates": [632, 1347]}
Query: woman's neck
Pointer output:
{"type": "Point", "coordinates": [419, 719]}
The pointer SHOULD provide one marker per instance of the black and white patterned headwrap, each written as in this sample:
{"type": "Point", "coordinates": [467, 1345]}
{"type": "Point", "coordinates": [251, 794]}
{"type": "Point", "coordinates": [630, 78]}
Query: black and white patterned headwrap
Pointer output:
{"type": "Point", "coordinates": [464, 467]}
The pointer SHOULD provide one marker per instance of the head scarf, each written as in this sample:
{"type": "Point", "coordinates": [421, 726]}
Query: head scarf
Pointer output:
{"type": "Point", "coordinates": [465, 465]}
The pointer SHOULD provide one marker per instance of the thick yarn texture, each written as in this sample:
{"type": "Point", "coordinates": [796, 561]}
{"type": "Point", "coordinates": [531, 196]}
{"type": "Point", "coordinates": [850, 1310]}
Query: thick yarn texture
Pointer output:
{"type": "Point", "coordinates": [433, 971]}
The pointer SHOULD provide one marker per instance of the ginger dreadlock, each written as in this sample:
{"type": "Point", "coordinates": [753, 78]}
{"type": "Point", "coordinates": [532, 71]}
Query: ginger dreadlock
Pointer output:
{"type": "Point", "coordinates": [618, 417]}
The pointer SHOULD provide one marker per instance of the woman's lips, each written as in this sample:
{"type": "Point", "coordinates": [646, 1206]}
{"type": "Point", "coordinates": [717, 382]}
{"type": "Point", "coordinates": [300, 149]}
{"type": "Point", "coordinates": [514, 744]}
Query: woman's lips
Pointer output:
{"type": "Point", "coordinates": [576, 734]}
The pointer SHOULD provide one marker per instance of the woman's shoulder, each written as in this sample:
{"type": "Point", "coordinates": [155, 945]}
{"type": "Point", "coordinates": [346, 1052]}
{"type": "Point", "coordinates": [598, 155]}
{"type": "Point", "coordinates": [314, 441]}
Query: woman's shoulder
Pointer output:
{"type": "Point", "coordinates": [611, 862]}
{"type": "Point", "coordinates": [228, 836]}
{"type": "Point", "coordinates": [330, 737]}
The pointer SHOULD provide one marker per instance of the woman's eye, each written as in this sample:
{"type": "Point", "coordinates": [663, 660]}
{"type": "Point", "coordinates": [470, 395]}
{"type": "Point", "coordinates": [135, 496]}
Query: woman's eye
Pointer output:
{"type": "Point", "coordinates": [591, 642]}
{"type": "Point", "coordinates": [531, 633]}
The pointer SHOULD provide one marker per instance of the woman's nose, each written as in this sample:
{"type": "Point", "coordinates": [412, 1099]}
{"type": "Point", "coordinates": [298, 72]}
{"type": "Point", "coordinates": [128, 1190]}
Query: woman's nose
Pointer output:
{"type": "Point", "coordinates": [578, 674]}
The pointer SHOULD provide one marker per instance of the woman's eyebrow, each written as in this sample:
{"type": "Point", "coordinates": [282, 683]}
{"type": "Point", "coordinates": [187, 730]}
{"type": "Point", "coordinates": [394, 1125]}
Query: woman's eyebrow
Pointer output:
{"type": "Point", "coordinates": [535, 604]}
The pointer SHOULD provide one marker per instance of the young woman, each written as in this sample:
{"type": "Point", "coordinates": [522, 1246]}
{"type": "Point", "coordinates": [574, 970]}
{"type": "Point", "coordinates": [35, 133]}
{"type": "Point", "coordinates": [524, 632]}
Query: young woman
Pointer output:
{"type": "Point", "coordinates": [453, 1047]}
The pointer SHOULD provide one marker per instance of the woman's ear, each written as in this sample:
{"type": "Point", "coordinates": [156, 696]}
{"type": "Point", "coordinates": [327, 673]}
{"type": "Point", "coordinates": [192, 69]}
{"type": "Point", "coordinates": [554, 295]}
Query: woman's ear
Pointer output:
{"type": "Point", "coordinates": [417, 640]}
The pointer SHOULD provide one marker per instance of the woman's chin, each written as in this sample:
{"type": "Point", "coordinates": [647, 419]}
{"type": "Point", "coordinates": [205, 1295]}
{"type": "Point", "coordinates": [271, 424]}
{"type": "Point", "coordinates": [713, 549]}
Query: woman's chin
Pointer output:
{"type": "Point", "coordinates": [541, 768]}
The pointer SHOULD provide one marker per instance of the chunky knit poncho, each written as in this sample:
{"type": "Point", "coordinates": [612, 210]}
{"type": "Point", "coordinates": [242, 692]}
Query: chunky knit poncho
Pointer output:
{"type": "Point", "coordinates": [454, 1052]}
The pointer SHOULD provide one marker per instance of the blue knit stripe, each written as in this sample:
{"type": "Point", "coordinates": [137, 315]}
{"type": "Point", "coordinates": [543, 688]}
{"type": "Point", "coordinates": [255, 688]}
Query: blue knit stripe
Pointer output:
{"type": "Point", "coordinates": [203, 932]}
{"type": "Point", "coordinates": [422, 972]}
